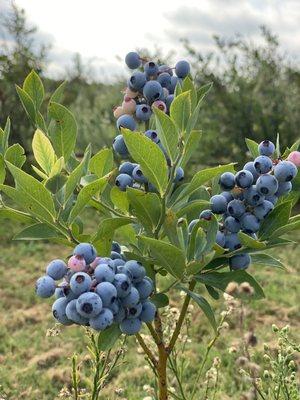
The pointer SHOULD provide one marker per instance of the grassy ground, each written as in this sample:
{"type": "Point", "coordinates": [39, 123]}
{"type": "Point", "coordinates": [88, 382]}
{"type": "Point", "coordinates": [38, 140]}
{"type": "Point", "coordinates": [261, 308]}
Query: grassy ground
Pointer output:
{"type": "Point", "coordinates": [36, 366]}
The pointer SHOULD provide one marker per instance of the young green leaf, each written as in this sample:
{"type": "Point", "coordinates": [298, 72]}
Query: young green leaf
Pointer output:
{"type": "Point", "coordinates": [149, 156]}
{"type": "Point", "coordinates": [27, 104]}
{"type": "Point", "coordinates": [43, 151]}
{"type": "Point", "coordinates": [57, 167]}
{"type": "Point", "coordinates": [2, 169]}
{"type": "Point", "coordinates": [102, 162]}
{"type": "Point", "coordinates": [15, 154]}
{"type": "Point", "coordinates": [180, 110]}
{"type": "Point", "coordinates": [195, 114]}
{"type": "Point", "coordinates": [33, 86]}
{"type": "Point", "coordinates": [191, 145]}
{"type": "Point", "coordinates": [188, 85]}
{"type": "Point", "coordinates": [167, 132]}
{"type": "Point", "coordinates": [58, 93]}
{"type": "Point", "coordinates": [119, 199]}
{"type": "Point", "coordinates": [252, 147]}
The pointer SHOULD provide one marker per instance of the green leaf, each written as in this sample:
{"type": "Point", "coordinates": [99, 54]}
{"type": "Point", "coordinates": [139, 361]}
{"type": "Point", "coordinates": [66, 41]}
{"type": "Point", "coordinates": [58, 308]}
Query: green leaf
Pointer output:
{"type": "Point", "coordinates": [203, 304]}
{"type": "Point", "coordinates": [58, 93]}
{"type": "Point", "coordinates": [16, 215]}
{"type": "Point", "coordinates": [188, 86]}
{"type": "Point", "coordinates": [220, 280]}
{"type": "Point", "coordinates": [102, 162]}
{"type": "Point", "coordinates": [166, 255]}
{"type": "Point", "coordinates": [15, 154]}
{"type": "Point", "coordinates": [39, 172]}
{"type": "Point", "coordinates": [108, 337]}
{"type": "Point", "coordinates": [192, 206]}
{"type": "Point", "coordinates": [202, 177]}
{"type": "Point", "coordinates": [145, 206]}
{"type": "Point", "coordinates": [161, 300]}
{"type": "Point", "coordinates": [202, 92]}
{"type": "Point", "coordinates": [167, 133]}
{"type": "Point", "coordinates": [248, 241]}
{"type": "Point", "coordinates": [265, 260]}
{"type": "Point", "coordinates": [39, 231]}
{"type": "Point", "coordinates": [2, 169]}
{"type": "Point", "coordinates": [252, 147]}
{"type": "Point", "coordinates": [109, 225]}
{"type": "Point", "coordinates": [119, 199]}
{"type": "Point", "coordinates": [85, 195]}
{"type": "Point", "coordinates": [180, 110]}
{"type": "Point", "coordinates": [27, 103]}
{"type": "Point", "coordinates": [55, 183]}
{"type": "Point", "coordinates": [277, 150]}
{"type": "Point", "coordinates": [149, 156]}
{"type": "Point", "coordinates": [57, 167]}
{"type": "Point", "coordinates": [43, 151]}
{"type": "Point", "coordinates": [64, 130]}
{"type": "Point", "coordinates": [178, 89]}
{"type": "Point", "coordinates": [191, 145]}
{"type": "Point", "coordinates": [291, 226]}
{"type": "Point", "coordinates": [277, 218]}
{"type": "Point", "coordinates": [33, 86]}
{"type": "Point", "coordinates": [33, 194]}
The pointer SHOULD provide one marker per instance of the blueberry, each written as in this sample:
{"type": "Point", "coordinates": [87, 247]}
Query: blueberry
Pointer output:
{"type": "Point", "coordinates": [228, 196]}
{"type": "Point", "coordinates": [206, 215]}
{"type": "Point", "coordinates": [192, 224]}
{"type": "Point", "coordinates": [168, 101]}
{"type": "Point", "coordinates": [232, 242]}
{"type": "Point", "coordinates": [250, 223]}
{"type": "Point", "coordinates": [273, 199]}
{"type": "Point", "coordinates": [160, 105]}
{"type": "Point", "coordinates": [285, 171]}
{"type": "Point", "coordinates": [148, 312]}
{"type": "Point", "coordinates": [103, 273]}
{"type": "Point", "coordinates": [227, 181]}
{"type": "Point", "coordinates": [127, 167]}
{"type": "Point", "coordinates": [232, 224]}
{"type": "Point", "coordinates": [103, 320]}
{"type": "Point", "coordinates": [244, 179]}
{"type": "Point", "coordinates": [263, 209]}
{"type": "Point", "coordinates": [73, 314]}
{"type": "Point", "coordinates": [122, 284]}
{"type": "Point", "coordinates": [80, 283]}
{"type": "Point", "coordinates": [64, 290]}
{"type": "Point", "coordinates": [263, 164]}
{"type": "Point", "coordinates": [266, 148]}
{"type": "Point", "coordinates": [151, 134]}
{"type": "Point", "coordinates": [117, 263]}
{"type": "Point", "coordinates": [137, 81]}
{"type": "Point", "coordinates": [59, 311]}
{"type": "Point", "coordinates": [133, 60]}
{"type": "Point", "coordinates": [121, 269]}
{"type": "Point", "coordinates": [249, 166]}
{"type": "Point", "coordinates": [45, 286]}
{"type": "Point", "coordinates": [182, 69]}
{"type": "Point", "coordinates": [179, 176]}
{"type": "Point", "coordinates": [267, 185]}
{"type": "Point", "coordinates": [165, 68]}
{"type": "Point", "coordinates": [164, 79]}
{"type": "Point", "coordinates": [138, 175]}
{"type": "Point", "coordinates": [253, 197]}
{"type": "Point", "coordinates": [114, 255]}
{"type": "Point", "coordinates": [152, 91]}
{"type": "Point", "coordinates": [119, 146]}
{"type": "Point", "coordinates": [236, 208]}
{"type": "Point", "coordinates": [136, 269]}
{"type": "Point", "coordinates": [134, 311]}
{"type": "Point", "coordinates": [240, 261]}
{"type": "Point", "coordinates": [107, 292]}
{"type": "Point", "coordinates": [123, 181]}
{"type": "Point", "coordinates": [119, 315]}
{"type": "Point", "coordinates": [218, 204]}
{"type": "Point", "coordinates": [131, 299]}
{"type": "Point", "coordinates": [130, 326]}
{"type": "Point", "coordinates": [87, 251]}
{"type": "Point", "coordinates": [57, 269]}
{"type": "Point", "coordinates": [151, 69]}
{"type": "Point", "coordinates": [220, 239]}
{"type": "Point", "coordinates": [143, 112]}
{"type": "Point", "coordinates": [89, 304]}
{"type": "Point", "coordinates": [145, 288]}
{"type": "Point", "coordinates": [126, 121]}
{"type": "Point", "coordinates": [174, 81]}
{"type": "Point", "coordinates": [283, 188]}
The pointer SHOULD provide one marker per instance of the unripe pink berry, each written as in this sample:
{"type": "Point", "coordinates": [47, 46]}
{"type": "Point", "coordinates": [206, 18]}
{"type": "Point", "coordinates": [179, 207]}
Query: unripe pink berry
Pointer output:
{"type": "Point", "coordinates": [129, 105]}
{"type": "Point", "coordinates": [294, 157]}
{"type": "Point", "coordinates": [160, 104]}
{"type": "Point", "coordinates": [77, 263]}
{"type": "Point", "coordinates": [118, 111]}
{"type": "Point", "coordinates": [96, 262]}
{"type": "Point", "coordinates": [130, 93]}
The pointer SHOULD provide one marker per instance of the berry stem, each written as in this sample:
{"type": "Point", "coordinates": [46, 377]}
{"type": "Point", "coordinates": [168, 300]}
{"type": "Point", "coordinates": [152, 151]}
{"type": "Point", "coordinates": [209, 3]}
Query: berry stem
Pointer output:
{"type": "Point", "coordinates": [147, 351]}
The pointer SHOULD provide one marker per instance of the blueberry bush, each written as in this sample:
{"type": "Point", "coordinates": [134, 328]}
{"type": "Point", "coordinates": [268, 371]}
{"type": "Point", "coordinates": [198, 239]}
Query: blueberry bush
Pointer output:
{"type": "Point", "coordinates": [202, 234]}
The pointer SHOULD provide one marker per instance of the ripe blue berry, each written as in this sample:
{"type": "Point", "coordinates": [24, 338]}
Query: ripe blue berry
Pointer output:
{"type": "Point", "coordinates": [220, 239]}
{"type": "Point", "coordinates": [57, 269]}
{"type": "Point", "coordinates": [131, 299]}
{"type": "Point", "coordinates": [127, 168]}
{"type": "Point", "coordinates": [103, 273]}
{"type": "Point", "coordinates": [45, 286]}
{"type": "Point", "coordinates": [152, 91]}
{"type": "Point", "coordinates": [120, 146]}
{"type": "Point", "coordinates": [253, 197]}
{"type": "Point", "coordinates": [124, 181]}
{"type": "Point", "coordinates": [59, 311]}
{"type": "Point", "coordinates": [182, 69]}
{"type": "Point", "coordinates": [236, 208]}
{"type": "Point", "coordinates": [165, 68]}
{"type": "Point", "coordinates": [136, 269]}
{"type": "Point", "coordinates": [130, 326]}
{"type": "Point", "coordinates": [119, 315]}
{"type": "Point", "coordinates": [228, 196]}
{"type": "Point", "coordinates": [132, 60]}
{"type": "Point", "coordinates": [114, 255]}
{"type": "Point", "coordinates": [107, 292]}
{"type": "Point", "coordinates": [80, 283]}
{"type": "Point", "coordinates": [263, 209]}
{"type": "Point", "coordinates": [218, 204]}
{"type": "Point", "coordinates": [103, 320]}
{"type": "Point", "coordinates": [179, 176]}
{"type": "Point", "coordinates": [168, 101]}
{"type": "Point", "coordinates": [227, 181]}
{"type": "Point", "coordinates": [145, 288]}
{"type": "Point", "coordinates": [244, 179]}
{"type": "Point", "coordinates": [267, 185]}
{"type": "Point", "coordinates": [148, 312]}
{"type": "Point", "coordinates": [73, 314]}
{"type": "Point", "coordinates": [174, 81]}
{"type": "Point", "coordinates": [263, 164]}
{"type": "Point", "coordinates": [249, 166]}
{"type": "Point", "coordinates": [240, 261]}
{"type": "Point", "coordinates": [151, 134]}
{"type": "Point", "coordinates": [249, 223]}
{"type": "Point", "coordinates": [232, 242]}
{"type": "Point", "coordinates": [151, 69]}
{"type": "Point", "coordinates": [285, 171]}
{"type": "Point", "coordinates": [205, 214]}
{"type": "Point", "coordinates": [137, 81]}
{"type": "Point", "coordinates": [126, 121]}
{"type": "Point", "coordinates": [122, 284]}
{"type": "Point", "coordinates": [266, 148]}
{"type": "Point", "coordinates": [87, 251]}
{"type": "Point", "coordinates": [273, 199]}
{"type": "Point", "coordinates": [164, 79]}
{"type": "Point", "coordinates": [138, 175]}
{"type": "Point", "coordinates": [232, 224]}
{"type": "Point", "coordinates": [283, 188]}
{"type": "Point", "coordinates": [143, 112]}
{"type": "Point", "coordinates": [89, 304]}
{"type": "Point", "coordinates": [134, 311]}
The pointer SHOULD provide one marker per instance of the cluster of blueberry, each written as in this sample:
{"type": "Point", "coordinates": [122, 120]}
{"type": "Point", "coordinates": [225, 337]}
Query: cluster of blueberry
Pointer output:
{"type": "Point", "coordinates": [247, 199]}
{"type": "Point", "coordinates": [98, 292]}
{"type": "Point", "coordinates": [152, 87]}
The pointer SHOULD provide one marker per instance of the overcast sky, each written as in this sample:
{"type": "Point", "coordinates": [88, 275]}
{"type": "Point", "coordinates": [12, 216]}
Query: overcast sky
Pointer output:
{"type": "Point", "coordinates": [102, 29]}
